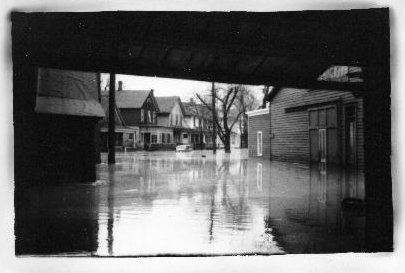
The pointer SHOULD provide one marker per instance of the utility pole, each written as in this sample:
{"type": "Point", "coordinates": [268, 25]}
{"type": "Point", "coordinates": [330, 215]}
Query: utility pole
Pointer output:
{"type": "Point", "coordinates": [214, 119]}
{"type": "Point", "coordinates": [111, 121]}
{"type": "Point", "coordinates": [97, 130]}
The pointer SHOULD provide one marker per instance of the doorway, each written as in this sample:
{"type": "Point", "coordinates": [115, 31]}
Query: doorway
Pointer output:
{"type": "Point", "coordinates": [350, 136]}
{"type": "Point", "coordinates": [146, 140]}
{"type": "Point", "coordinates": [323, 135]}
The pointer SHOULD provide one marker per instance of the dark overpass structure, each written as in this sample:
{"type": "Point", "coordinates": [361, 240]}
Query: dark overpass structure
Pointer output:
{"type": "Point", "coordinates": [285, 49]}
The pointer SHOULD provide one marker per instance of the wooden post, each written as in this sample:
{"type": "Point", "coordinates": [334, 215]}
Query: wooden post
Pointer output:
{"type": "Point", "coordinates": [111, 121]}
{"type": "Point", "coordinates": [214, 118]}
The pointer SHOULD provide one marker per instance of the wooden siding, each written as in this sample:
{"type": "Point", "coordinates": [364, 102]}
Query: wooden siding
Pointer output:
{"type": "Point", "coordinates": [132, 117]}
{"type": "Point", "coordinates": [259, 123]}
{"type": "Point", "coordinates": [290, 129]}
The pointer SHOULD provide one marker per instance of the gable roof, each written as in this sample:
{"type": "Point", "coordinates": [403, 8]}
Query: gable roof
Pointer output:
{"type": "Point", "coordinates": [118, 117]}
{"type": "Point", "coordinates": [133, 98]}
{"type": "Point", "coordinates": [166, 104]}
{"type": "Point", "coordinates": [194, 109]}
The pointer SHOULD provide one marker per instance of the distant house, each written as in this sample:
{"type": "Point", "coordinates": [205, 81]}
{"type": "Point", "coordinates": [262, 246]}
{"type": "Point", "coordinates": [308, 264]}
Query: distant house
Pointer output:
{"type": "Point", "coordinates": [171, 116]}
{"type": "Point", "coordinates": [235, 140]}
{"type": "Point", "coordinates": [309, 126]}
{"type": "Point", "coordinates": [138, 108]}
{"type": "Point", "coordinates": [198, 120]}
{"type": "Point", "coordinates": [125, 136]}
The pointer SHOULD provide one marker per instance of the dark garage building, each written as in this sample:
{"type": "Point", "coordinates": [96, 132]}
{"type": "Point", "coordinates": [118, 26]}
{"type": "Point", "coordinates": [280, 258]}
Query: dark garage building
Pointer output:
{"type": "Point", "coordinates": [304, 125]}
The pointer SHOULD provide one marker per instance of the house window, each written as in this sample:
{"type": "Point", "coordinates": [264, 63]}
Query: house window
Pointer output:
{"type": "Point", "coordinates": [154, 117]}
{"type": "Point", "coordinates": [154, 138]}
{"type": "Point", "coordinates": [194, 121]}
{"type": "Point", "coordinates": [233, 139]}
{"type": "Point", "coordinates": [177, 119]}
{"type": "Point", "coordinates": [259, 143]}
{"type": "Point", "coordinates": [185, 135]}
{"type": "Point", "coordinates": [171, 120]}
{"type": "Point", "coordinates": [142, 115]}
{"type": "Point", "coordinates": [163, 138]}
{"type": "Point", "coordinates": [149, 117]}
{"type": "Point", "coordinates": [181, 120]}
{"type": "Point", "coordinates": [168, 138]}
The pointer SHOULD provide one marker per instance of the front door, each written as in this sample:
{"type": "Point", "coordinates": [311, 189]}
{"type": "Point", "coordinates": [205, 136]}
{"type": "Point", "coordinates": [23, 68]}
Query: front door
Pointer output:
{"type": "Point", "coordinates": [146, 140]}
{"type": "Point", "coordinates": [323, 135]}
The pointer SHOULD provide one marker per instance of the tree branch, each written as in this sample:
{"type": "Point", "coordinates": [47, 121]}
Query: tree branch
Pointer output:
{"type": "Point", "coordinates": [232, 100]}
{"type": "Point", "coordinates": [203, 102]}
{"type": "Point", "coordinates": [233, 123]}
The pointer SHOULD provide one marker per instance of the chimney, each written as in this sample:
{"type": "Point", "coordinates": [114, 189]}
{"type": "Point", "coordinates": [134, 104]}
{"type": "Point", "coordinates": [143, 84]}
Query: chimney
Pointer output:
{"type": "Point", "coordinates": [191, 100]}
{"type": "Point", "coordinates": [152, 92]}
{"type": "Point", "coordinates": [119, 86]}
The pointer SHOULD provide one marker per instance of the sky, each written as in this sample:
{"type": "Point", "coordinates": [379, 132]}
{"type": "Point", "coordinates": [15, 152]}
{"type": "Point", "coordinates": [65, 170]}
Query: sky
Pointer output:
{"type": "Point", "coordinates": [185, 89]}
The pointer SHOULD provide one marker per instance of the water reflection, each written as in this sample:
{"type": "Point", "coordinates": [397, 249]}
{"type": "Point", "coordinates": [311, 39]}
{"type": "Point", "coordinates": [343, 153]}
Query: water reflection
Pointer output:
{"type": "Point", "coordinates": [168, 203]}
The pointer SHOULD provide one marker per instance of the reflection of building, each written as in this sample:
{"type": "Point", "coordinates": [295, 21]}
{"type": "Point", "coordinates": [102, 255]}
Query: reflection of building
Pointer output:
{"type": "Point", "coordinates": [309, 126]}
{"type": "Point", "coordinates": [306, 208]}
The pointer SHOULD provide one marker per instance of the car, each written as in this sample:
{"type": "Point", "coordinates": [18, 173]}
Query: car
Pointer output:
{"type": "Point", "coordinates": [183, 148]}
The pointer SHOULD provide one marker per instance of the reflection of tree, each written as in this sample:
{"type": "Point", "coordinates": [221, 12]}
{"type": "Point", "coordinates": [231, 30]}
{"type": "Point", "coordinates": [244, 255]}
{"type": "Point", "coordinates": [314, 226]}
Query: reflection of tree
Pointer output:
{"type": "Point", "coordinates": [238, 209]}
{"type": "Point", "coordinates": [213, 194]}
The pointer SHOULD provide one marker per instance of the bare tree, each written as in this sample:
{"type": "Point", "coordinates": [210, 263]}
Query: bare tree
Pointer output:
{"type": "Point", "coordinates": [246, 101]}
{"type": "Point", "coordinates": [226, 111]}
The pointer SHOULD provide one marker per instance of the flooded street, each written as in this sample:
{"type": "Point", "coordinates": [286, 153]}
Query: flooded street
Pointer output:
{"type": "Point", "coordinates": [167, 203]}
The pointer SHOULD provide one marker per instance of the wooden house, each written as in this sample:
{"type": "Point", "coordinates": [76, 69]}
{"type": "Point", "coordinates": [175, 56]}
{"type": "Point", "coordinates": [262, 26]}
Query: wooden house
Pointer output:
{"type": "Point", "coordinates": [198, 120]}
{"type": "Point", "coordinates": [171, 118]}
{"type": "Point", "coordinates": [140, 108]}
{"type": "Point", "coordinates": [305, 125]}
{"type": "Point", "coordinates": [126, 137]}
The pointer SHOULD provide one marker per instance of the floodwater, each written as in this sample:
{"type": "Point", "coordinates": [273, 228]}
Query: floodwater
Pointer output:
{"type": "Point", "coordinates": [194, 203]}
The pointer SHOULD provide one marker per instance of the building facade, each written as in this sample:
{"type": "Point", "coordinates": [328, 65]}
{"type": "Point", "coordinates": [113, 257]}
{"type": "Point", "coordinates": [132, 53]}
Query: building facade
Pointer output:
{"type": "Point", "coordinates": [137, 111]}
{"type": "Point", "coordinates": [309, 126]}
{"type": "Point", "coordinates": [171, 117]}
{"type": "Point", "coordinates": [198, 120]}
{"type": "Point", "coordinates": [259, 133]}
{"type": "Point", "coordinates": [126, 137]}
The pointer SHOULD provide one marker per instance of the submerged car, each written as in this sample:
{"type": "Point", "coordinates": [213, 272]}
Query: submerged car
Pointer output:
{"type": "Point", "coordinates": [184, 148]}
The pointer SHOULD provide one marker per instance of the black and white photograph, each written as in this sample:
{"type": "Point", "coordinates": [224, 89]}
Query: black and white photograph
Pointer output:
{"type": "Point", "coordinates": [226, 137]}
